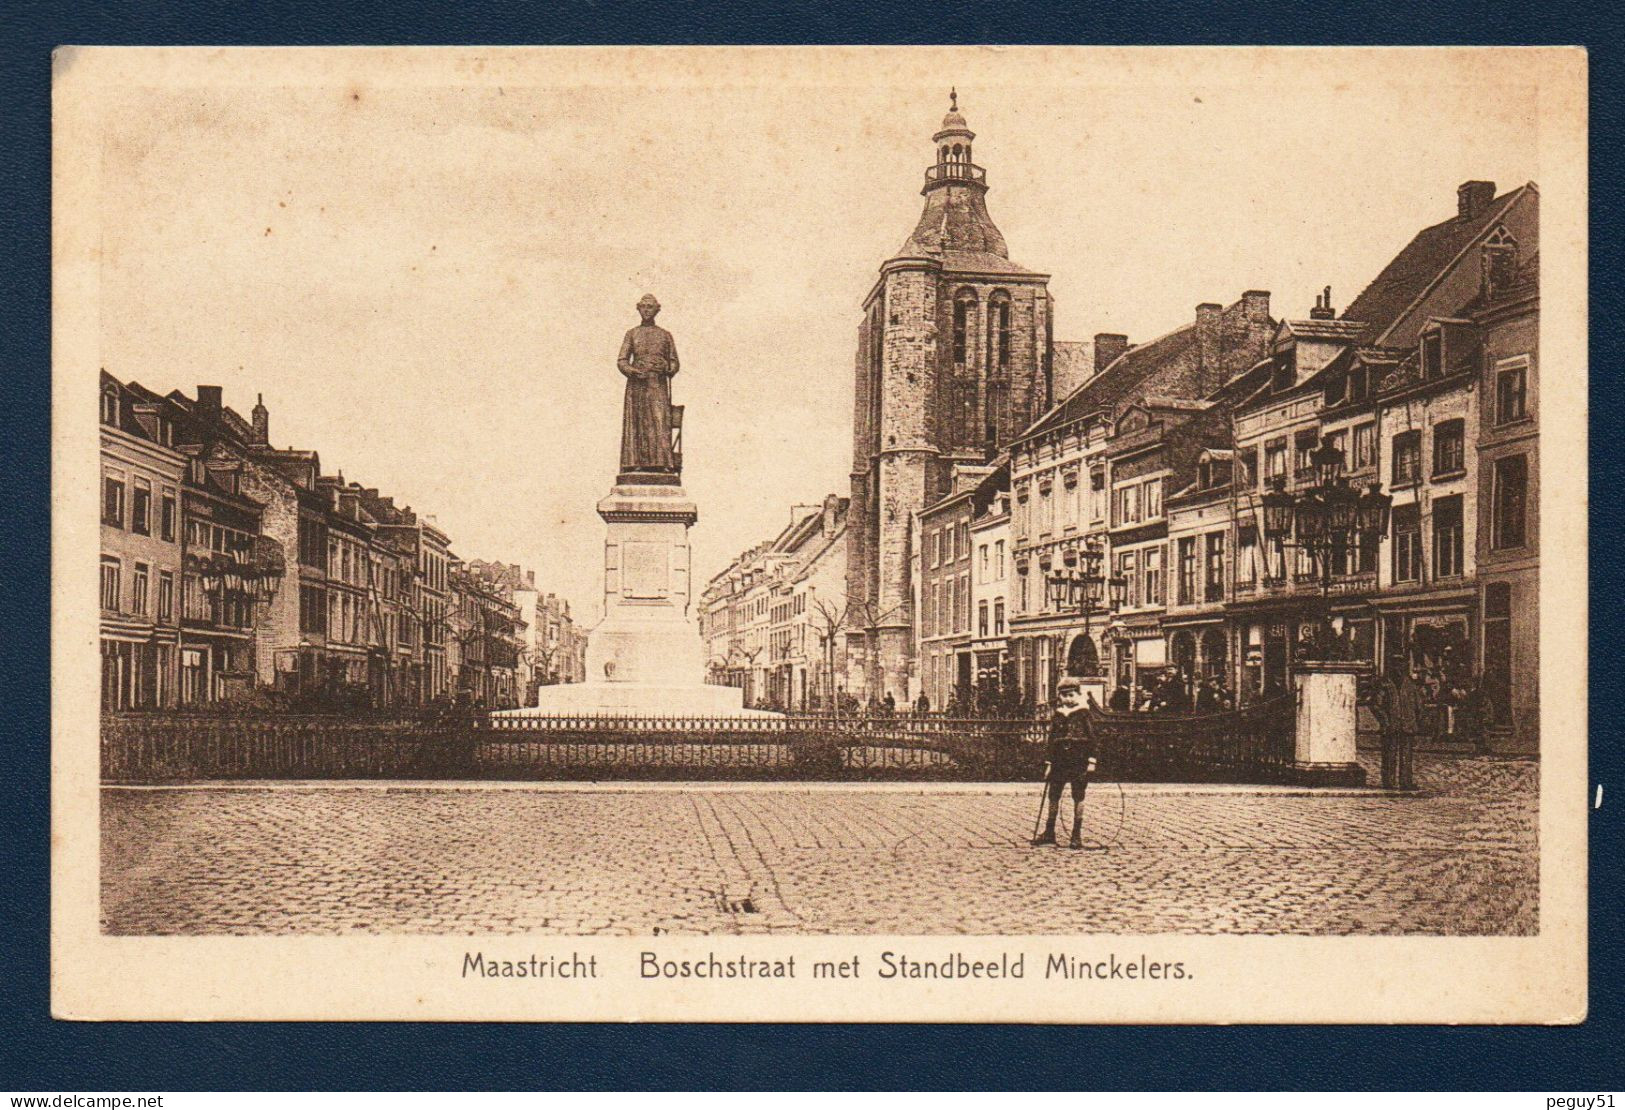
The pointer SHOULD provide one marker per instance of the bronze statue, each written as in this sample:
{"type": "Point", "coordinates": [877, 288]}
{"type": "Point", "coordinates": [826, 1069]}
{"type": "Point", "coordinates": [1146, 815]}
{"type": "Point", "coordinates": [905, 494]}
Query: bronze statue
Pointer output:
{"type": "Point", "coordinates": [648, 359]}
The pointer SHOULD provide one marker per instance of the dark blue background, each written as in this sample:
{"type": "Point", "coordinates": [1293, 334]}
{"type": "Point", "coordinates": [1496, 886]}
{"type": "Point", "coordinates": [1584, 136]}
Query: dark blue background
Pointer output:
{"type": "Point", "coordinates": [39, 1054]}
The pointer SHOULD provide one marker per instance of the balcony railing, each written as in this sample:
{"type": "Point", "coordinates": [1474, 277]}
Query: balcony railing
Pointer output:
{"type": "Point", "coordinates": [955, 171]}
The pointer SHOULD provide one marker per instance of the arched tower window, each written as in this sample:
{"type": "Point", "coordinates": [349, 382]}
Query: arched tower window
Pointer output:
{"type": "Point", "coordinates": [998, 355]}
{"type": "Point", "coordinates": [110, 404]}
{"type": "Point", "coordinates": [964, 310]}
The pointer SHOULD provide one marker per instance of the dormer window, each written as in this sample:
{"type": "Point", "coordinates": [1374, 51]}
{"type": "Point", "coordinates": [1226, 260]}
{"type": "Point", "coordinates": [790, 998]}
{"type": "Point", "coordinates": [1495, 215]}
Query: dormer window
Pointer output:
{"type": "Point", "coordinates": [1285, 376]}
{"type": "Point", "coordinates": [110, 405]}
{"type": "Point", "coordinates": [1432, 354]}
{"type": "Point", "coordinates": [1499, 260]}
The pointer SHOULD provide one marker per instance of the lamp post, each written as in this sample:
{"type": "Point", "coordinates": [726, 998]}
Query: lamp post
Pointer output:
{"type": "Point", "coordinates": [1330, 520]}
{"type": "Point", "coordinates": [1080, 585]}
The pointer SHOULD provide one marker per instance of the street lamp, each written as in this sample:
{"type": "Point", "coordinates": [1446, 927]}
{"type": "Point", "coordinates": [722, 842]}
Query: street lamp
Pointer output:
{"type": "Point", "coordinates": [1080, 584]}
{"type": "Point", "coordinates": [1330, 519]}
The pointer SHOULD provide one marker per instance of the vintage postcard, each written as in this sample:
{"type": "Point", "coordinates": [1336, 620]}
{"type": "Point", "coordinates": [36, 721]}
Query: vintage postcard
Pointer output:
{"type": "Point", "coordinates": [1041, 534]}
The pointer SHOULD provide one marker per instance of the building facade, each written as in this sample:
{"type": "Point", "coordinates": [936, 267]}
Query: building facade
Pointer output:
{"type": "Point", "coordinates": [234, 571]}
{"type": "Point", "coordinates": [141, 479]}
{"type": "Point", "coordinates": [774, 619]}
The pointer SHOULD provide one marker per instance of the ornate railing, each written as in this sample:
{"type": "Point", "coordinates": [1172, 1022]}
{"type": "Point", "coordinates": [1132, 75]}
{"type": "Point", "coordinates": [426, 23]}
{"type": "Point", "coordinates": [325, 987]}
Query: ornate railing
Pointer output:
{"type": "Point", "coordinates": [1250, 744]}
{"type": "Point", "coordinates": [1235, 746]}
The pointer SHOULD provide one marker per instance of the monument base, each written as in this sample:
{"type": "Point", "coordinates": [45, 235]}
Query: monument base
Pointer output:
{"type": "Point", "coordinates": [632, 699]}
{"type": "Point", "coordinates": [1324, 733]}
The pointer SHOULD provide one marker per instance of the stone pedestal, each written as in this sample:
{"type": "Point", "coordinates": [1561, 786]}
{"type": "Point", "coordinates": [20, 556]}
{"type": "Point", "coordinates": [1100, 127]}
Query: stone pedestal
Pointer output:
{"type": "Point", "coordinates": [1325, 724]}
{"type": "Point", "coordinates": [646, 637]}
{"type": "Point", "coordinates": [645, 657]}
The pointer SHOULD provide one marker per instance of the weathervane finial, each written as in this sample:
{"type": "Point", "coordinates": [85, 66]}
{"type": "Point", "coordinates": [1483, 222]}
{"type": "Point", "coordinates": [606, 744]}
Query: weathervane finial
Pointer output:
{"type": "Point", "coordinates": [953, 99]}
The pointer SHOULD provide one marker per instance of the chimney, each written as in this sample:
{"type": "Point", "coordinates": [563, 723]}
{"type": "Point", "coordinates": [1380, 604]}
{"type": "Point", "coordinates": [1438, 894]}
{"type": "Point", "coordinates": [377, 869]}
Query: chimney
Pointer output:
{"type": "Point", "coordinates": [1323, 309]}
{"type": "Point", "coordinates": [1207, 346]}
{"type": "Point", "coordinates": [1255, 306]}
{"type": "Point", "coordinates": [1472, 197]}
{"type": "Point", "coordinates": [262, 422]}
{"type": "Point", "coordinates": [832, 509]}
{"type": "Point", "coordinates": [1108, 347]}
{"type": "Point", "coordinates": [210, 400]}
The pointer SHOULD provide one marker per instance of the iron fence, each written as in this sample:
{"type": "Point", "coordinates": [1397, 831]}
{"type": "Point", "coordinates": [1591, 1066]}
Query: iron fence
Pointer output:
{"type": "Point", "coordinates": [1241, 746]}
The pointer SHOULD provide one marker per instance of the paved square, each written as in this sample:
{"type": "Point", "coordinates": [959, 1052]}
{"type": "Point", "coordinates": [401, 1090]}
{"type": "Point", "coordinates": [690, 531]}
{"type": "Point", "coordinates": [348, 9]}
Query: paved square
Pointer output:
{"type": "Point", "coordinates": [331, 858]}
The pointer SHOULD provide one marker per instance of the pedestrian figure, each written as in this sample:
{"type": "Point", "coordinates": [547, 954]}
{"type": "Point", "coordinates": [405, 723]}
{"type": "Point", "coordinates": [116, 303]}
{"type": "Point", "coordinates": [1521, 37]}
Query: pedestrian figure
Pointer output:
{"type": "Point", "coordinates": [1069, 760]}
{"type": "Point", "coordinates": [1399, 712]}
{"type": "Point", "coordinates": [1207, 697]}
{"type": "Point", "coordinates": [1119, 701]}
{"type": "Point", "coordinates": [922, 706]}
{"type": "Point", "coordinates": [889, 706]}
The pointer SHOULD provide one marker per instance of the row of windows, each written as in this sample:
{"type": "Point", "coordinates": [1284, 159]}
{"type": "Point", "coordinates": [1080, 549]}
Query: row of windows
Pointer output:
{"type": "Point", "coordinates": [1449, 453]}
{"type": "Point", "coordinates": [1200, 565]}
{"type": "Point", "coordinates": [140, 595]}
{"type": "Point", "coordinates": [1040, 500]}
{"type": "Point", "coordinates": [990, 566]}
{"type": "Point", "coordinates": [137, 516]}
{"type": "Point", "coordinates": [998, 618]}
{"type": "Point", "coordinates": [948, 544]}
{"type": "Point", "coordinates": [1137, 502]}
{"type": "Point", "coordinates": [947, 606]}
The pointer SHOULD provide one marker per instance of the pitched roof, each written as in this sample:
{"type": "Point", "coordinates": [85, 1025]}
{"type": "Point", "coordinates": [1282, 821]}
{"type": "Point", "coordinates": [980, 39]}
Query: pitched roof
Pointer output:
{"type": "Point", "coordinates": [1413, 269]}
{"type": "Point", "coordinates": [1127, 372]}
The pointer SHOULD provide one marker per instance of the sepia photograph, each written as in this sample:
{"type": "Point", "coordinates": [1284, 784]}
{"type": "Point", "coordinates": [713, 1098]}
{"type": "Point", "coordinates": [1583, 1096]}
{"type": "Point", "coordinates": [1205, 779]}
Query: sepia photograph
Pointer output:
{"type": "Point", "coordinates": [599, 516]}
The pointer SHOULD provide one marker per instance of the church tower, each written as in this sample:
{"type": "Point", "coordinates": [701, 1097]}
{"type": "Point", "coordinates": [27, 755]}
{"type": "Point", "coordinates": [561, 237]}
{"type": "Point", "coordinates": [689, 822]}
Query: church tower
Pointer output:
{"type": "Point", "coordinates": [953, 361]}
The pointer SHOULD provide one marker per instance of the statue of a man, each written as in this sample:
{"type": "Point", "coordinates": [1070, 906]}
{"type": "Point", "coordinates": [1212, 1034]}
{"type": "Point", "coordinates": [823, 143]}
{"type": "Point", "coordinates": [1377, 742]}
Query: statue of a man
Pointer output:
{"type": "Point", "coordinates": [648, 359]}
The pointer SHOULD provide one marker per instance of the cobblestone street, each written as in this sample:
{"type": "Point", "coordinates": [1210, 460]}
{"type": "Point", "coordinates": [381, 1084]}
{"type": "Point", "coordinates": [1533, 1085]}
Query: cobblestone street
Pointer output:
{"type": "Point", "coordinates": [1458, 858]}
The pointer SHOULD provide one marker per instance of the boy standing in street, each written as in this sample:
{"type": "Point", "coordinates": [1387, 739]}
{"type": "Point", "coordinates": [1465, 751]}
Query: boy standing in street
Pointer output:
{"type": "Point", "coordinates": [1070, 759]}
